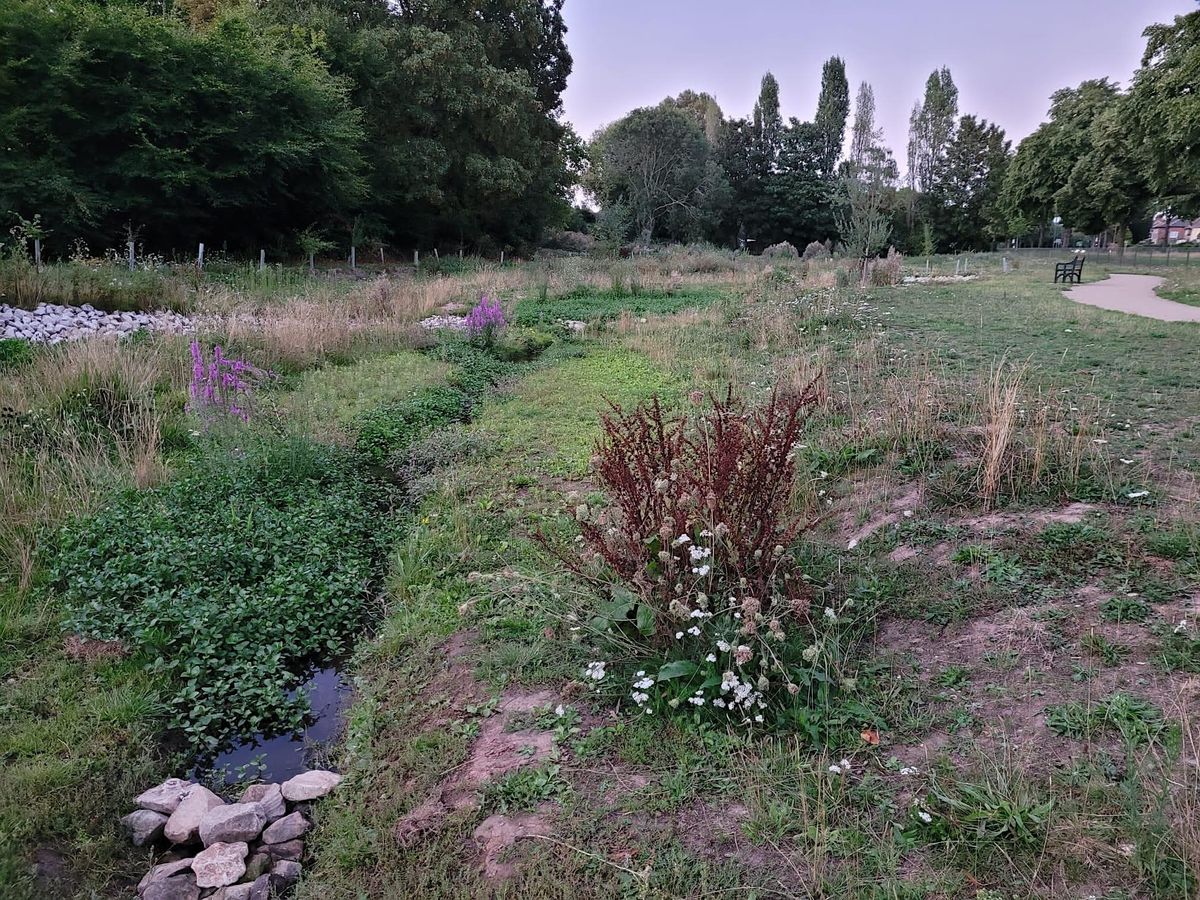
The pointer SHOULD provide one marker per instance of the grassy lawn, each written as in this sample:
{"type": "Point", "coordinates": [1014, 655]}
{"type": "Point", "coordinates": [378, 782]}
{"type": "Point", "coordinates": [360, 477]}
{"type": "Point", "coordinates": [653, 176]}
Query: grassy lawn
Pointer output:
{"type": "Point", "coordinates": [996, 607]}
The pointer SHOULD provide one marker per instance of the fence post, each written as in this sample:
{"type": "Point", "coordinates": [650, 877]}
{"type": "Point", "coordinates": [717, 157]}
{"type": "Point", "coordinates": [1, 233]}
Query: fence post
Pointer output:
{"type": "Point", "coordinates": [132, 257]}
{"type": "Point", "coordinates": [353, 262]}
{"type": "Point", "coordinates": [416, 259]}
{"type": "Point", "coordinates": [37, 254]}
{"type": "Point", "coordinates": [262, 260]}
{"type": "Point", "coordinates": [200, 257]}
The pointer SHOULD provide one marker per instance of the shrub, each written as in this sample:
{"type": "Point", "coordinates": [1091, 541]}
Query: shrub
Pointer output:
{"type": "Point", "coordinates": [782, 250]}
{"type": "Point", "coordinates": [887, 271]}
{"type": "Point", "coordinates": [699, 535]}
{"type": "Point", "coordinates": [14, 353]}
{"type": "Point", "coordinates": [816, 250]}
{"type": "Point", "coordinates": [228, 581]}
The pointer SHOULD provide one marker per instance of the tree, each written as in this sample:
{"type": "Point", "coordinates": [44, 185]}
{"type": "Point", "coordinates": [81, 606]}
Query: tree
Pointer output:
{"type": "Point", "coordinates": [461, 104]}
{"type": "Point", "coordinates": [931, 128]}
{"type": "Point", "coordinates": [704, 109]}
{"type": "Point", "coordinates": [768, 127]}
{"type": "Point", "coordinates": [1108, 186]}
{"type": "Point", "coordinates": [1164, 111]}
{"type": "Point", "coordinates": [656, 160]}
{"type": "Point", "coordinates": [962, 204]}
{"type": "Point", "coordinates": [1036, 187]}
{"type": "Point", "coordinates": [833, 109]}
{"type": "Point", "coordinates": [112, 116]}
{"type": "Point", "coordinates": [867, 179]}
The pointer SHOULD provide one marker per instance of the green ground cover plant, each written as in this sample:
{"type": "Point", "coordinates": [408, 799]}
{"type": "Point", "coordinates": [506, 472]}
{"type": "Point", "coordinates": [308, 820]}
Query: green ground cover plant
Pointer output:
{"type": "Point", "coordinates": [228, 581]}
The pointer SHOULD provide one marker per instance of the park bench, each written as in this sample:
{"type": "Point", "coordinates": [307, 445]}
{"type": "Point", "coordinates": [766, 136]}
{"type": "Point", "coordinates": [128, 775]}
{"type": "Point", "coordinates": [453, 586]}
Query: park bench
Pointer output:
{"type": "Point", "coordinates": [1067, 272]}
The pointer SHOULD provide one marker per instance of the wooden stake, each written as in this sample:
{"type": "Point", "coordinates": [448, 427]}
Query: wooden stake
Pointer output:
{"type": "Point", "coordinates": [352, 262]}
{"type": "Point", "coordinates": [262, 260]}
{"type": "Point", "coordinates": [37, 254]}
{"type": "Point", "coordinates": [416, 259]}
{"type": "Point", "coordinates": [200, 257]}
{"type": "Point", "coordinates": [132, 258]}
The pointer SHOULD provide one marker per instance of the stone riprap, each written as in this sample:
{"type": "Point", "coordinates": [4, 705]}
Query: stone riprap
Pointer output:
{"type": "Point", "coordinates": [50, 323]}
{"type": "Point", "coordinates": [248, 850]}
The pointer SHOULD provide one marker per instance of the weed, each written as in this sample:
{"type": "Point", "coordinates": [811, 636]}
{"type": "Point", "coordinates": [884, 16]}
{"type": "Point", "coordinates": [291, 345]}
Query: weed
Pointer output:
{"type": "Point", "coordinates": [525, 789]}
{"type": "Point", "coordinates": [1125, 609]}
{"type": "Point", "coordinates": [1097, 644]}
{"type": "Point", "coordinates": [1138, 721]}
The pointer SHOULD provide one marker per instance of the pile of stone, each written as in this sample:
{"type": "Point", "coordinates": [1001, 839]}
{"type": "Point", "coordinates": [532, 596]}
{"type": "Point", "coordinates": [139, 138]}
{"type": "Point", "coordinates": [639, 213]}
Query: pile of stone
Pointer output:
{"type": "Point", "coordinates": [445, 323]}
{"type": "Point", "coordinates": [251, 850]}
{"type": "Point", "coordinates": [53, 324]}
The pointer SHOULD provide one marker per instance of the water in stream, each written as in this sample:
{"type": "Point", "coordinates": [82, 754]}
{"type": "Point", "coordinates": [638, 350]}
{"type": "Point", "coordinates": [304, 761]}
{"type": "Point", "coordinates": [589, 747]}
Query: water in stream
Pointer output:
{"type": "Point", "coordinates": [279, 758]}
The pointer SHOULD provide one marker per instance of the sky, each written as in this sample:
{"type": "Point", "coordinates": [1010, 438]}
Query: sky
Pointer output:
{"type": "Point", "coordinates": [1006, 57]}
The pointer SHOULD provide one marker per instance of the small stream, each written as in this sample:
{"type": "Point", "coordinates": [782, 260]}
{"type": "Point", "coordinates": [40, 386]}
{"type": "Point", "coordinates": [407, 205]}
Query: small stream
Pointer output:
{"type": "Point", "coordinates": [279, 758]}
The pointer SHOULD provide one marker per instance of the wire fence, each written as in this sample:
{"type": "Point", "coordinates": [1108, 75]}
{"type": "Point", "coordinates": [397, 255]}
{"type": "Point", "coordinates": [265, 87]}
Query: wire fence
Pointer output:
{"type": "Point", "coordinates": [1138, 256]}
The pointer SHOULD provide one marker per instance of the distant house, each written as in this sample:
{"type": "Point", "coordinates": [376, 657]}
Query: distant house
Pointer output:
{"type": "Point", "coordinates": [1172, 230]}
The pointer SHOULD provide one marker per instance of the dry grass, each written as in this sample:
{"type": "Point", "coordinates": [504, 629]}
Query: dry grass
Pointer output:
{"type": "Point", "coordinates": [996, 462]}
{"type": "Point", "coordinates": [96, 408]}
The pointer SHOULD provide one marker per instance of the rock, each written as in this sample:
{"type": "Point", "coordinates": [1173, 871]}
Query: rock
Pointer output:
{"type": "Point", "coordinates": [181, 887]}
{"type": "Point", "coordinates": [261, 888]}
{"type": "Point", "coordinates": [144, 826]}
{"type": "Point", "coordinates": [232, 892]}
{"type": "Point", "coordinates": [284, 874]}
{"type": "Point", "coordinates": [269, 797]}
{"type": "Point", "coordinates": [233, 822]}
{"type": "Point", "coordinates": [310, 785]}
{"type": "Point", "coordinates": [162, 872]}
{"type": "Point", "coordinates": [293, 850]}
{"type": "Point", "coordinates": [286, 829]}
{"type": "Point", "coordinates": [183, 826]}
{"type": "Point", "coordinates": [220, 864]}
{"type": "Point", "coordinates": [259, 864]}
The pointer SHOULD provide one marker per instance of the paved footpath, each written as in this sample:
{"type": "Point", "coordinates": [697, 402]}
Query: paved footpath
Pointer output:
{"type": "Point", "coordinates": [1133, 294]}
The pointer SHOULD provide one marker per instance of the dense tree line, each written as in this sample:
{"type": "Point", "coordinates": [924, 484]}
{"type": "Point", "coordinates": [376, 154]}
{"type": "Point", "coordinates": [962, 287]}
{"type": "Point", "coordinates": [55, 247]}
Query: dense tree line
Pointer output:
{"type": "Point", "coordinates": [1105, 160]}
{"type": "Point", "coordinates": [415, 123]}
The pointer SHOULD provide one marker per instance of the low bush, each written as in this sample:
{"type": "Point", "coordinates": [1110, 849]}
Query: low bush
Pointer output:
{"type": "Point", "coordinates": [228, 582]}
{"type": "Point", "coordinates": [390, 427]}
{"type": "Point", "coordinates": [816, 250]}
{"type": "Point", "coordinates": [782, 250]}
{"type": "Point", "coordinates": [710, 607]}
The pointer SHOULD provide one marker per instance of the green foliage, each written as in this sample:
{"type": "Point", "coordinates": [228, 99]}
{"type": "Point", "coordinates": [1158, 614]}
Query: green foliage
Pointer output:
{"type": "Point", "coordinates": [1001, 811]}
{"type": "Point", "coordinates": [586, 304]}
{"type": "Point", "coordinates": [1136, 720]}
{"type": "Point", "coordinates": [1125, 609]}
{"type": "Point", "coordinates": [675, 199]}
{"type": "Point", "coordinates": [1166, 108]}
{"type": "Point", "coordinates": [14, 353]}
{"type": "Point", "coordinates": [521, 344]}
{"type": "Point", "coordinates": [525, 789]}
{"type": "Point", "coordinates": [390, 427]}
{"type": "Point", "coordinates": [227, 581]}
{"type": "Point", "coordinates": [1179, 652]}
{"type": "Point", "coordinates": [219, 119]}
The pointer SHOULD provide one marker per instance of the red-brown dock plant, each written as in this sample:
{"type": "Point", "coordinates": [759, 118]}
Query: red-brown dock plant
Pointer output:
{"type": "Point", "coordinates": [702, 514]}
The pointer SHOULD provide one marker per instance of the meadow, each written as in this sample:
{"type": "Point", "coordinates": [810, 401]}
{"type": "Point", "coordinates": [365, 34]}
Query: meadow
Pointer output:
{"type": "Point", "coordinates": [933, 546]}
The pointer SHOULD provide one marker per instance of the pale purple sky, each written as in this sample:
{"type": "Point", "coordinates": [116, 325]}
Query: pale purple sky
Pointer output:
{"type": "Point", "coordinates": [1006, 56]}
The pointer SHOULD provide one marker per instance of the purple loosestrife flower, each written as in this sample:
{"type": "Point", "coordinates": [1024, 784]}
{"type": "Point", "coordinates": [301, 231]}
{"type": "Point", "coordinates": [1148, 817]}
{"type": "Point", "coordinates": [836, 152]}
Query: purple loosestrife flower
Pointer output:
{"type": "Point", "coordinates": [221, 387]}
{"type": "Point", "coordinates": [485, 319]}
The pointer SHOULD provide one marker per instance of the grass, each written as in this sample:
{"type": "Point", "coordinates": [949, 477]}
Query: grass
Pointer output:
{"type": "Point", "coordinates": [1004, 681]}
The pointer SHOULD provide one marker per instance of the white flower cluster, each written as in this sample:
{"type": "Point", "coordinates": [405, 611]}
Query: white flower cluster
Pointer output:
{"type": "Point", "coordinates": [739, 695]}
{"type": "Point", "coordinates": [642, 683]}
{"type": "Point", "coordinates": [842, 768]}
{"type": "Point", "coordinates": [595, 671]}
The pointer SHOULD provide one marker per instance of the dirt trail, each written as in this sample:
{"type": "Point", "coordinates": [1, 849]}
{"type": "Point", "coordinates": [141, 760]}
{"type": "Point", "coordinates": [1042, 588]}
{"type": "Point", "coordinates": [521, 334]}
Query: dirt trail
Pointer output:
{"type": "Point", "coordinates": [1133, 294]}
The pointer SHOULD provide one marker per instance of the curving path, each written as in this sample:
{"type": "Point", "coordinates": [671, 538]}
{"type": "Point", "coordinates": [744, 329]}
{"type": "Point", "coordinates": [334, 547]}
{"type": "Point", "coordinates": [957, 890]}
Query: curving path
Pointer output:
{"type": "Point", "coordinates": [1133, 294]}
